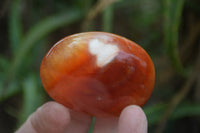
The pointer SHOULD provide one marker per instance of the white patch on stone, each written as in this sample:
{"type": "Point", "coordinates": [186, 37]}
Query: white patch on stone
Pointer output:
{"type": "Point", "coordinates": [104, 52]}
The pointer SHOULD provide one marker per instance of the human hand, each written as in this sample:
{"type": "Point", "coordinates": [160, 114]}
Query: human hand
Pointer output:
{"type": "Point", "coordinates": [53, 117]}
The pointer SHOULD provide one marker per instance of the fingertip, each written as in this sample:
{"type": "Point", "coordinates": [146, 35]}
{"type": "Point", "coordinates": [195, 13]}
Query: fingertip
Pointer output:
{"type": "Point", "coordinates": [134, 110]}
{"type": "Point", "coordinates": [132, 119]}
{"type": "Point", "coordinates": [51, 117]}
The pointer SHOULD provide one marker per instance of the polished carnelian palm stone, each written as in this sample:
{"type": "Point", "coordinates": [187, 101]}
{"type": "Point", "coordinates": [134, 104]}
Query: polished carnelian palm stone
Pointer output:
{"type": "Point", "coordinates": [98, 73]}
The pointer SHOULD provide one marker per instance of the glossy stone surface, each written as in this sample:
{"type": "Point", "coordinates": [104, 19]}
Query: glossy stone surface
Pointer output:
{"type": "Point", "coordinates": [97, 73]}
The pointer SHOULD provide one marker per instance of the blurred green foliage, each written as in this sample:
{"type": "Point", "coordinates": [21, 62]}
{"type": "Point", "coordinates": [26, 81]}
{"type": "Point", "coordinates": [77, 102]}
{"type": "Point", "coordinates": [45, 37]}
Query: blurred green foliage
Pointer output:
{"type": "Point", "coordinates": [163, 28]}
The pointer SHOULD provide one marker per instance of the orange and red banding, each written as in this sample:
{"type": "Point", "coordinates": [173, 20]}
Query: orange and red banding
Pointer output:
{"type": "Point", "coordinates": [98, 73]}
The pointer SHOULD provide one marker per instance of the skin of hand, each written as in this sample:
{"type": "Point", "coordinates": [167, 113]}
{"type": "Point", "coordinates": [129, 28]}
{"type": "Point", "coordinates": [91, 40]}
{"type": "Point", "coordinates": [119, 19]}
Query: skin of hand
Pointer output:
{"type": "Point", "coordinates": [53, 117]}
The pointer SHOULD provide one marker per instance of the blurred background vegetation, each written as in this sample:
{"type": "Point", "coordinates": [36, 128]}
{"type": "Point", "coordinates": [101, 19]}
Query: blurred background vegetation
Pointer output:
{"type": "Point", "coordinates": [168, 29]}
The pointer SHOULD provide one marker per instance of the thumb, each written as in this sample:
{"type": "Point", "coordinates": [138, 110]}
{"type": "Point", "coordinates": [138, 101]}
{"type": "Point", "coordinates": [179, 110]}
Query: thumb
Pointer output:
{"type": "Point", "coordinates": [52, 117]}
{"type": "Point", "coordinates": [132, 119]}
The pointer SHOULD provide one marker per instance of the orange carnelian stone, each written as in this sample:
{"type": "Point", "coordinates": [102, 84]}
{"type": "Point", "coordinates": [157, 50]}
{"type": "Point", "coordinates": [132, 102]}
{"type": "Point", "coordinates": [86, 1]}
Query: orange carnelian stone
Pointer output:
{"type": "Point", "coordinates": [98, 73]}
